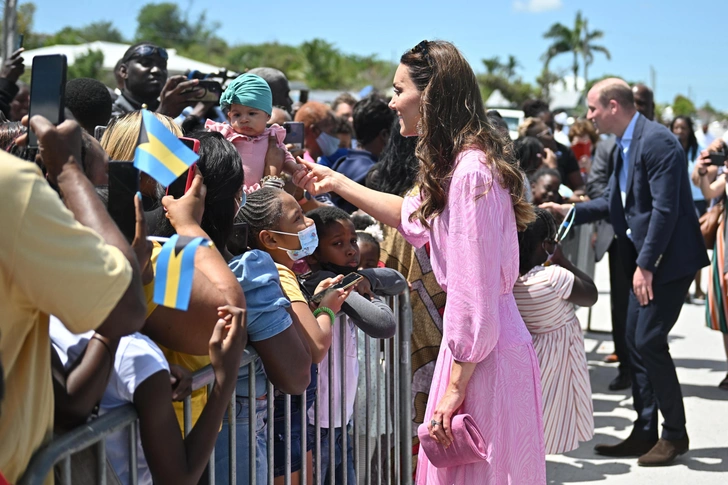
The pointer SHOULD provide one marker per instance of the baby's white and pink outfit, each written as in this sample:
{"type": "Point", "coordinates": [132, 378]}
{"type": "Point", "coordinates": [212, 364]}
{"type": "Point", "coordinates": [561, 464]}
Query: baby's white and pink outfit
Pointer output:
{"type": "Point", "coordinates": [252, 149]}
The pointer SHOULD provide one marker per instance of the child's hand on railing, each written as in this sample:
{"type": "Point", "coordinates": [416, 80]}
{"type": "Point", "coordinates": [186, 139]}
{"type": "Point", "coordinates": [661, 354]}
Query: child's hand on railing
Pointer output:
{"type": "Point", "coordinates": [181, 380]}
{"type": "Point", "coordinates": [227, 344]}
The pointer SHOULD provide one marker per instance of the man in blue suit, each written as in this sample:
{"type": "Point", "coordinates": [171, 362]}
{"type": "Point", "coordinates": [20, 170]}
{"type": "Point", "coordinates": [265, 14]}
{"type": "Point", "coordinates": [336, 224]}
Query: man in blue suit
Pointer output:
{"type": "Point", "coordinates": [649, 204]}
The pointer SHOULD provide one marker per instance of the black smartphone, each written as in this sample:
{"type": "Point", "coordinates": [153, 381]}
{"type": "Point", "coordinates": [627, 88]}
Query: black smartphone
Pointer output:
{"type": "Point", "coordinates": [123, 186]}
{"type": "Point", "coordinates": [182, 184]}
{"type": "Point", "coordinates": [211, 91]}
{"type": "Point", "coordinates": [47, 90]}
{"type": "Point", "coordinates": [717, 158]}
{"type": "Point", "coordinates": [349, 280]}
{"type": "Point", "coordinates": [238, 242]}
{"type": "Point", "coordinates": [21, 39]}
{"type": "Point", "coordinates": [99, 132]}
{"type": "Point", "coordinates": [294, 134]}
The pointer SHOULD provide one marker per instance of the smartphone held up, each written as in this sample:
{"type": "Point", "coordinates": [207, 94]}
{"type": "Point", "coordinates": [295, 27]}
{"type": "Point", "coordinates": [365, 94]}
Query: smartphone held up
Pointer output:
{"type": "Point", "coordinates": [47, 91]}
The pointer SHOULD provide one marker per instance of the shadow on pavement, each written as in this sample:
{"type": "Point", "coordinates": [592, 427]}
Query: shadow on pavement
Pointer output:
{"type": "Point", "coordinates": [711, 365]}
{"type": "Point", "coordinates": [704, 392]}
{"type": "Point", "coordinates": [582, 471]}
{"type": "Point", "coordinates": [693, 459]}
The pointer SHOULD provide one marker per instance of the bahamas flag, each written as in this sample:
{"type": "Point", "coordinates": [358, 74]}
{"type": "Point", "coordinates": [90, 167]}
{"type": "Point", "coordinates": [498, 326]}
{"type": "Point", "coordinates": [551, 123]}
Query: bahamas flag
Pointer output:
{"type": "Point", "coordinates": [175, 267]}
{"type": "Point", "coordinates": [159, 152]}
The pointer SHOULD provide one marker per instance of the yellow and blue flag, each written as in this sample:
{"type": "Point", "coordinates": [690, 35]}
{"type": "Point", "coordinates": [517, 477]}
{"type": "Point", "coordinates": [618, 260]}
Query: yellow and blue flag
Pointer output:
{"type": "Point", "coordinates": [175, 268]}
{"type": "Point", "coordinates": [160, 153]}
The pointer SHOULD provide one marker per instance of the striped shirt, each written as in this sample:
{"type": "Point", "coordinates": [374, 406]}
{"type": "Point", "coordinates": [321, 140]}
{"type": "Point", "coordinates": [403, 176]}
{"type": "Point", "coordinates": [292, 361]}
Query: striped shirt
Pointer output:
{"type": "Point", "coordinates": [557, 338]}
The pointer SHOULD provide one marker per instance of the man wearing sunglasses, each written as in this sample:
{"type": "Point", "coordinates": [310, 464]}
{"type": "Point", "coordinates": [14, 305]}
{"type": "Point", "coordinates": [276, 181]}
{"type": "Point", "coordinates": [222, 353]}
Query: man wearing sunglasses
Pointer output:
{"type": "Point", "coordinates": [143, 69]}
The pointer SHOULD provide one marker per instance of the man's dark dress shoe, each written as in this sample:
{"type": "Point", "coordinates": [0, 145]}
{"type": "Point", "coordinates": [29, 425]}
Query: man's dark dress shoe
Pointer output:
{"type": "Point", "coordinates": [629, 447]}
{"type": "Point", "coordinates": [622, 381]}
{"type": "Point", "coordinates": [664, 452]}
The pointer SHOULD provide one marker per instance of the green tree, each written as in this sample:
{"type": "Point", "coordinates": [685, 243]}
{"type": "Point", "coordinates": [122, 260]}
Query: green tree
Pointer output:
{"type": "Point", "coordinates": [682, 106]}
{"type": "Point", "coordinates": [577, 41]}
{"type": "Point", "coordinates": [323, 64]}
{"type": "Point", "coordinates": [286, 58]}
{"type": "Point", "coordinates": [492, 65]}
{"type": "Point", "coordinates": [104, 31]}
{"type": "Point", "coordinates": [164, 25]}
{"type": "Point", "coordinates": [87, 65]}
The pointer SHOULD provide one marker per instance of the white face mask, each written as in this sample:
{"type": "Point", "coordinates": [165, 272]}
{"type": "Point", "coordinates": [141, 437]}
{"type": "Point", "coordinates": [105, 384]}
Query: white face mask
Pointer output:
{"type": "Point", "coordinates": [243, 199]}
{"type": "Point", "coordinates": [308, 239]}
{"type": "Point", "coordinates": [328, 143]}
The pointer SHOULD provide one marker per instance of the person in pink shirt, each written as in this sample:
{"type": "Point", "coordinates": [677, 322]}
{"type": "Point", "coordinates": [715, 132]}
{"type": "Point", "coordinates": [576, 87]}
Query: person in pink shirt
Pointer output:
{"type": "Point", "coordinates": [468, 206]}
{"type": "Point", "coordinates": [248, 104]}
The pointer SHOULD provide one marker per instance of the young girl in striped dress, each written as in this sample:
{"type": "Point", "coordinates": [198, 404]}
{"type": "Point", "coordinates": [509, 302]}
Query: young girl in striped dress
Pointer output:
{"type": "Point", "coordinates": [546, 296]}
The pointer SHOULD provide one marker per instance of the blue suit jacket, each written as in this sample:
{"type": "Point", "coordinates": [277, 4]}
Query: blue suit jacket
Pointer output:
{"type": "Point", "coordinates": [658, 210]}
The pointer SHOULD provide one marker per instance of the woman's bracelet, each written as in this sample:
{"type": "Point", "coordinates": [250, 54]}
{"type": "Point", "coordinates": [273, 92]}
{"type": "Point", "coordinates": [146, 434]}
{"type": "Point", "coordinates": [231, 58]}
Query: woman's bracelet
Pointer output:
{"type": "Point", "coordinates": [326, 310]}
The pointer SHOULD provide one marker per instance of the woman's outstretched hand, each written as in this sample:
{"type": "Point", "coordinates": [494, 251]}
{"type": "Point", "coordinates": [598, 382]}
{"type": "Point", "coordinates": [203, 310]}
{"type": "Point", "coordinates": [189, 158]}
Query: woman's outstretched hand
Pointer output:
{"type": "Point", "coordinates": [449, 403]}
{"type": "Point", "coordinates": [316, 179]}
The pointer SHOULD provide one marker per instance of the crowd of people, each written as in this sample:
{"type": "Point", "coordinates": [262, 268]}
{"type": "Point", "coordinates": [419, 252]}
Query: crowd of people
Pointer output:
{"type": "Point", "coordinates": [425, 190]}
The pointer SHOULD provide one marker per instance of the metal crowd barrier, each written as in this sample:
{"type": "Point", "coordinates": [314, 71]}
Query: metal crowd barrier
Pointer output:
{"type": "Point", "coordinates": [393, 369]}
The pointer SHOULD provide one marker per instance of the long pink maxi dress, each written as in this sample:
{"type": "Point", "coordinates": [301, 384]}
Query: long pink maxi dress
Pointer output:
{"type": "Point", "coordinates": [474, 251]}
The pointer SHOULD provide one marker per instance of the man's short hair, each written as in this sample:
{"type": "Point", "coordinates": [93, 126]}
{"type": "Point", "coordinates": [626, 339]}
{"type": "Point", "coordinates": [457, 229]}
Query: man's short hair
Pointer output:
{"type": "Point", "coordinates": [89, 101]}
{"type": "Point", "coordinates": [532, 108]}
{"type": "Point", "coordinates": [619, 92]}
{"type": "Point", "coordinates": [371, 116]}
{"type": "Point", "coordinates": [343, 98]}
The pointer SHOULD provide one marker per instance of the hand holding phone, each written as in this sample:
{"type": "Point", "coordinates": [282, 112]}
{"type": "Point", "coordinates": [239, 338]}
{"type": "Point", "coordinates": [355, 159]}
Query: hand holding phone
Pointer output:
{"type": "Point", "coordinates": [123, 186]}
{"type": "Point", "coordinates": [206, 91]}
{"type": "Point", "coordinates": [717, 158]}
{"type": "Point", "coordinates": [47, 91]}
{"type": "Point", "coordinates": [294, 134]}
{"type": "Point", "coordinates": [14, 66]}
{"type": "Point", "coordinates": [349, 280]}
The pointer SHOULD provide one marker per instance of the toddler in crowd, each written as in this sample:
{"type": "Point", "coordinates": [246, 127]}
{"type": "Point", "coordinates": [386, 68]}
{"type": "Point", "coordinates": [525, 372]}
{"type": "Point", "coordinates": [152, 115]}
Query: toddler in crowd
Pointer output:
{"type": "Point", "coordinates": [248, 104]}
{"type": "Point", "coordinates": [546, 296]}
{"type": "Point", "coordinates": [338, 254]}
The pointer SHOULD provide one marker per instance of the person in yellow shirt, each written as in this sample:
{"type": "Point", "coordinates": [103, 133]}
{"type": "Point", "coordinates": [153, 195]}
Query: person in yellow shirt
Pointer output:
{"type": "Point", "coordinates": [71, 262]}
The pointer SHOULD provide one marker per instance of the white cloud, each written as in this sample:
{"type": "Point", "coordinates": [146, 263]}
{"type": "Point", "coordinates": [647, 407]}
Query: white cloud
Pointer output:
{"type": "Point", "coordinates": [535, 6]}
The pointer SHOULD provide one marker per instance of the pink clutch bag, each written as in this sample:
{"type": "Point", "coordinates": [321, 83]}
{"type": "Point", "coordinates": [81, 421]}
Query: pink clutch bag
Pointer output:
{"type": "Point", "coordinates": [468, 445]}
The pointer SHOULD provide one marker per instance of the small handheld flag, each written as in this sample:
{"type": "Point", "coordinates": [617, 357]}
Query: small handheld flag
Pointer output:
{"type": "Point", "coordinates": [175, 268]}
{"type": "Point", "coordinates": [159, 152]}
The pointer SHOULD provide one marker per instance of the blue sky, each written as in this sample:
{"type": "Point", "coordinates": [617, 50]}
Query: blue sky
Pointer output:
{"type": "Point", "coordinates": [685, 41]}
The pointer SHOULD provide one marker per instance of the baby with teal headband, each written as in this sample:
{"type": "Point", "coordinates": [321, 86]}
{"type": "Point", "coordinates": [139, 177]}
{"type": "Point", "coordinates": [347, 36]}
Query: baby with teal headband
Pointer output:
{"type": "Point", "coordinates": [248, 103]}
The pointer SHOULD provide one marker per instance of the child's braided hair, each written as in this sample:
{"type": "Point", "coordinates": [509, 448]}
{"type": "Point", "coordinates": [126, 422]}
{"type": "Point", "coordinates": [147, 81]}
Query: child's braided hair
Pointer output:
{"type": "Point", "coordinates": [262, 210]}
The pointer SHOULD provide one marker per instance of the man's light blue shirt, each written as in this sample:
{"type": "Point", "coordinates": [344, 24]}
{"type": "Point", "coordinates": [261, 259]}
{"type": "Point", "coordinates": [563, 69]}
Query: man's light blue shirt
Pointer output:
{"type": "Point", "coordinates": [624, 143]}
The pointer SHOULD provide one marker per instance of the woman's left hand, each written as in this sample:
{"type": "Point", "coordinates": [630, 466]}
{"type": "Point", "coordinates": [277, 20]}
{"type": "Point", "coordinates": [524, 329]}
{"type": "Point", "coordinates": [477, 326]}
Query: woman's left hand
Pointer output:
{"type": "Point", "coordinates": [444, 411]}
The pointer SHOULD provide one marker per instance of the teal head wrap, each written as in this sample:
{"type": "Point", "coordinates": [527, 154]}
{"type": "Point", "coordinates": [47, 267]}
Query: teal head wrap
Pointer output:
{"type": "Point", "coordinates": [248, 90]}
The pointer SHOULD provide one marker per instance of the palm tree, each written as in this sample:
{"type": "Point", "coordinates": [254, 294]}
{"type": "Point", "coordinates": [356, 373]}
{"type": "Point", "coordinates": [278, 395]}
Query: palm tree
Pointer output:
{"type": "Point", "coordinates": [509, 68]}
{"type": "Point", "coordinates": [576, 41]}
{"type": "Point", "coordinates": [588, 49]}
{"type": "Point", "coordinates": [492, 64]}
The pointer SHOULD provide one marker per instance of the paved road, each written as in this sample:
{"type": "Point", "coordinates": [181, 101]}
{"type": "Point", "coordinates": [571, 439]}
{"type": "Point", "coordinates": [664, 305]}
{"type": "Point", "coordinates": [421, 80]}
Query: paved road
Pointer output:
{"type": "Point", "coordinates": [701, 364]}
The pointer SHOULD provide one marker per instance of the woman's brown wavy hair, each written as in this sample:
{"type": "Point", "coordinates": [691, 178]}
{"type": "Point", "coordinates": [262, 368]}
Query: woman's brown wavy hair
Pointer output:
{"type": "Point", "coordinates": [453, 119]}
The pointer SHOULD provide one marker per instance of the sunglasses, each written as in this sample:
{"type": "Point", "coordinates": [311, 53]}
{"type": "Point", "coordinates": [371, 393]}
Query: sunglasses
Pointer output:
{"type": "Point", "coordinates": [148, 50]}
{"type": "Point", "coordinates": [546, 132]}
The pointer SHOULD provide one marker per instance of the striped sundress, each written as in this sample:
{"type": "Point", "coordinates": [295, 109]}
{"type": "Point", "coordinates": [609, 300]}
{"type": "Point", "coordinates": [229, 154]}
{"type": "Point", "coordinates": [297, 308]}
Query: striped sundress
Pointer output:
{"type": "Point", "coordinates": [559, 343]}
{"type": "Point", "coordinates": [716, 309]}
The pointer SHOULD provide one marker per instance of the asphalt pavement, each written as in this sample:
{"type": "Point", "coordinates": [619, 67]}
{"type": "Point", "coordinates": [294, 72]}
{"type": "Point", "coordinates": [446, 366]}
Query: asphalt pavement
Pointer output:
{"type": "Point", "coordinates": [701, 364]}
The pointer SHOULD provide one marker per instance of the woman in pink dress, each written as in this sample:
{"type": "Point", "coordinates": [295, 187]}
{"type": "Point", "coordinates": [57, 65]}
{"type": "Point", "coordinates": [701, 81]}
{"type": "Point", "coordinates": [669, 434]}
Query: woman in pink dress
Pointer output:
{"type": "Point", "coordinates": [468, 206]}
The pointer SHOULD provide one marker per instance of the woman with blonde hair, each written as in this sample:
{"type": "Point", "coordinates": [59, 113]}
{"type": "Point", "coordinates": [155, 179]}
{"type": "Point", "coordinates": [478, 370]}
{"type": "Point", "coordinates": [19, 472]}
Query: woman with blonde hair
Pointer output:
{"type": "Point", "coordinates": [120, 141]}
{"type": "Point", "coordinates": [468, 205]}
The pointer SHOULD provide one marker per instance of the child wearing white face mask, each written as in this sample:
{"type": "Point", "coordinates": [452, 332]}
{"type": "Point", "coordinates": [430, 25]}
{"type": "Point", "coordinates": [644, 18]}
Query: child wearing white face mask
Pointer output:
{"type": "Point", "coordinates": [546, 296]}
{"type": "Point", "coordinates": [276, 225]}
{"type": "Point", "coordinates": [248, 103]}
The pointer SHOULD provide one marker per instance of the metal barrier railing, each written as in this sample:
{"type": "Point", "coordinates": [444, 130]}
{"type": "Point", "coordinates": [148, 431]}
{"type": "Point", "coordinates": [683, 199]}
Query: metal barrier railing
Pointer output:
{"type": "Point", "coordinates": [392, 366]}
